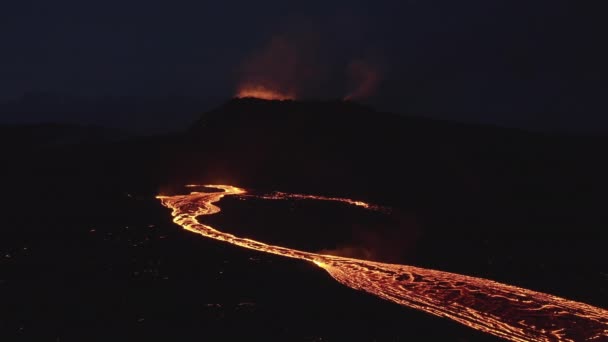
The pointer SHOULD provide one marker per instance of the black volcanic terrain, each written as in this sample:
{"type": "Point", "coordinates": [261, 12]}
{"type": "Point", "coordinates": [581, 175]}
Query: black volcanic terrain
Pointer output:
{"type": "Point", "coordinates": [88, 254]}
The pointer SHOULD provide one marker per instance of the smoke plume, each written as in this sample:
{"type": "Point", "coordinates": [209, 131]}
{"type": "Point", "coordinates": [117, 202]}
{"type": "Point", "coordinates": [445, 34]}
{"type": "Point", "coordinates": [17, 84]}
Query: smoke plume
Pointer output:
{"type": "Point", "coordinates": [365, 79]}
{"type": "Point", "coordinates": [279, 70]}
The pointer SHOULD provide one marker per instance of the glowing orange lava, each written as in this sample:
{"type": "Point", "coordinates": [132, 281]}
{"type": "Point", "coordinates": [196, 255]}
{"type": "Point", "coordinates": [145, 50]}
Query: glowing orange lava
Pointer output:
{"type": "Point", "coordinates": [283, 196]}
{"type": "Point", "coordinates": [510, 312]}
{"type": "Point", "coordinates": [264, 93]}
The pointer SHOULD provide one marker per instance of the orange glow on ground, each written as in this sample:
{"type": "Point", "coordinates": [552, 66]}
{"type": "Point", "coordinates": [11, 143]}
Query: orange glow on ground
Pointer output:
{"type": "Point", "coordinates": [506, 311]}
{"type": "Point", "coordinates": [264, 93]}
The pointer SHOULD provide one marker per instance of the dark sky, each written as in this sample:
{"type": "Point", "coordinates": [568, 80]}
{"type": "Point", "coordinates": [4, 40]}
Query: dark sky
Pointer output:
{"type": "Point", "coordinates": [531, 64]}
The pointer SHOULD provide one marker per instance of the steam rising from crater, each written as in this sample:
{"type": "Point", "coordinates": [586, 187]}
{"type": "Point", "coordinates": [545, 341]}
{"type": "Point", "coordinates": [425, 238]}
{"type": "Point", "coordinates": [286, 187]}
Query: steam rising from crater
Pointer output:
{"type": "Point", "coordinates": [273, 72]}
{"type": "Point", "coordinates": [300, 65]}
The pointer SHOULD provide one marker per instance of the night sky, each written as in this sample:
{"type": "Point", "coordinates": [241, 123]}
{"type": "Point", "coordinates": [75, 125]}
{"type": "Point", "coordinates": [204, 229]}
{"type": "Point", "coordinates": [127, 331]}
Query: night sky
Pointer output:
{"type": "Point", "coordinates": [536, 64]}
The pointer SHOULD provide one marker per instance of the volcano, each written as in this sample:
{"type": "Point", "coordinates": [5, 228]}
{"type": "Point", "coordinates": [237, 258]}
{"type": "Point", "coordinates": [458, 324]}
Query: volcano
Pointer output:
{"type": "Point", "coordinates": [449, 168]}
{"type": "Point", "coordinates": [521, 208]}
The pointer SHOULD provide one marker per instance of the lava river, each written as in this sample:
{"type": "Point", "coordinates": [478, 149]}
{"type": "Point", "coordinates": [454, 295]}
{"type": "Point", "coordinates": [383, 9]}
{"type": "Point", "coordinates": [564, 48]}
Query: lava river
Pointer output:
{"type": "Point", "coordinates": [510, 312]}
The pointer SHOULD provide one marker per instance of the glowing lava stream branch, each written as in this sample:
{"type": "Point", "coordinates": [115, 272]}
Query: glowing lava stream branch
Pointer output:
{"type": "Point", "coordinates": [506, 311]}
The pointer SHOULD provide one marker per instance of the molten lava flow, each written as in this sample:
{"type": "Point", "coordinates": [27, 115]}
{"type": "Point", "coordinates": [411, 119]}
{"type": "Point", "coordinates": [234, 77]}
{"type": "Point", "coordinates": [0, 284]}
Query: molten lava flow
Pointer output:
{"type": "Point", "coordinates": [264, 93]}
{"type": "Point", "coordinates": [506, 311]}
{"type": "Point", "coordinates": [283, 196]}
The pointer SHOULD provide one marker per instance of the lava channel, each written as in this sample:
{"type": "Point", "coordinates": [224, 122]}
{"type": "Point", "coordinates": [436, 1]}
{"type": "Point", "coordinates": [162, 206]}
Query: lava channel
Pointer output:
{"type": "Point", "coordinates": [506, 311]}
